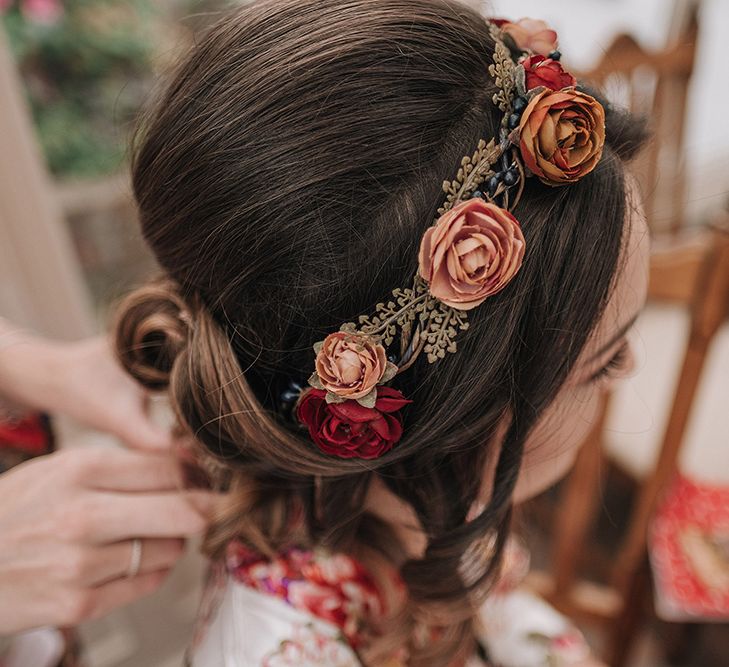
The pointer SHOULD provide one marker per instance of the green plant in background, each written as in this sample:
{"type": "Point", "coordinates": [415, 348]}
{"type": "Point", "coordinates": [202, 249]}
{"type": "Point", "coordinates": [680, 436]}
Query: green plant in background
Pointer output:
{"type": "Point", "coordinates": [86, 66]}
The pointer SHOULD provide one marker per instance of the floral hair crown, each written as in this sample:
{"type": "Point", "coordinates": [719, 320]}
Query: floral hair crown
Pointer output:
{"type": "Point", "coordinates": [550, 130]}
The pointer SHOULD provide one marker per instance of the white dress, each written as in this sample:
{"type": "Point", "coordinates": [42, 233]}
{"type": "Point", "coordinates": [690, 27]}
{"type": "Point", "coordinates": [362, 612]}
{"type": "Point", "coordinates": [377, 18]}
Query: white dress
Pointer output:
{"type": "Point", "coordinates": [305, 608]}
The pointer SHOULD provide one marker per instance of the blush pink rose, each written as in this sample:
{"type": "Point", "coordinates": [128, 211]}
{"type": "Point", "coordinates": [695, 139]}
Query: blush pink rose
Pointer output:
{"type": "Point", "coordinates": [531, 35]}
{"type": "Point", "coordinates": [350, 364]}
{"type": "Point", "coordinates": [472, 252]}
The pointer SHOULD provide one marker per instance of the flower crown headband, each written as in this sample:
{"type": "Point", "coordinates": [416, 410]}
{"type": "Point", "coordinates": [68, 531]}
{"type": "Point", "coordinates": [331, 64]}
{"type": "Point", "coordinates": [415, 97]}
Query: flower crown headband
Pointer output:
{"type": "Point", "coordinates": [550, 130]}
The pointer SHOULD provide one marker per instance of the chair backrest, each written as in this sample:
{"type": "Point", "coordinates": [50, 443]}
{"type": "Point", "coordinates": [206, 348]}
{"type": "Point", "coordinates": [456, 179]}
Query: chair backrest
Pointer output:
{"type": "Point", "coordinates": [692, 272]}
{"type": "Point", "coordinates": [655, 84]}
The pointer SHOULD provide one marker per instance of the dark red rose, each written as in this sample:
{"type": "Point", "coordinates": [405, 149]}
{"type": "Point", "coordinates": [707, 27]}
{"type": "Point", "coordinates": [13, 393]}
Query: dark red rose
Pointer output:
{"type": "Point", "coordinates": [541, 71]}
{"type": "Point", "coordinates": [350, 430]}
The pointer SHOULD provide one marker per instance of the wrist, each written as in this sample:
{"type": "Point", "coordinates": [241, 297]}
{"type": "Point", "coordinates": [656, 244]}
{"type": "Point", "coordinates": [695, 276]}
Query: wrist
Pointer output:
{"type": "Point", "coordinates": [31, 369]}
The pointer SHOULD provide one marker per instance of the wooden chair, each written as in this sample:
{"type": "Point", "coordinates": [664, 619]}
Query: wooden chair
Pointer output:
{"type": "Point", "coordinates": [655, 84]}
{"type": "Point", "coordinates": [693, 274]}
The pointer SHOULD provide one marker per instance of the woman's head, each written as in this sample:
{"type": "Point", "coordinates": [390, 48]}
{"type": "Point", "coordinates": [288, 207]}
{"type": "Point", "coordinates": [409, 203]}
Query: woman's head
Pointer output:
{"type": "Point", "coordinates": [284, 180]}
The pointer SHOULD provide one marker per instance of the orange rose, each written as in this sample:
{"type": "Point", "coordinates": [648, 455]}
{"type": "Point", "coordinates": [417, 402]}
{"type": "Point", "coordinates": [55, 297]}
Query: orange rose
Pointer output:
{"type": "Point", "coordinates": [562, 134]}
{"type": "Point", "coordinates": [532, 35]}
{"type": "Point", "coordinates": [472, 252]}
{"type": "Point", "coordinates": [350, 365]}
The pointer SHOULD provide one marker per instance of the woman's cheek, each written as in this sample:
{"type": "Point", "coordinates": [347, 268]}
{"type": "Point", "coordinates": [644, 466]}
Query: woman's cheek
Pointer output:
{"type": "Point", "coordinates": [552, 447]}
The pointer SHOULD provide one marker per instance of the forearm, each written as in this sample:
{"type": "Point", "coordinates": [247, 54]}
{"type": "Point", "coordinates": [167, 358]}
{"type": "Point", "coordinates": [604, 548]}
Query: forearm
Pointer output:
{"type": "Point", "coordinates": [29, 367]}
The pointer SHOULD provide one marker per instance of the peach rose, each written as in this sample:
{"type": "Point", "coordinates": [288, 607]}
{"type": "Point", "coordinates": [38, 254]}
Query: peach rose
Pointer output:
{"type": "Point", "coordinates": [532, 35]}
{"type": "Point", "coordinates": [472, 252]}
{"type": "Point", "coordinates": [562, 134]}
{"type": "Point", "coordinates": [350, 364]}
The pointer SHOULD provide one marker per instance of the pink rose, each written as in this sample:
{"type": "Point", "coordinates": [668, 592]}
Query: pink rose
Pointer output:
{"type": "Point", "coordinates": [350, 365]}
{"type": "Point", "coordinates": [532, 35]}
{"type": "Point", "coordinates": [541, 71]}
{"type": "Point", "coordinates": [472, 252]}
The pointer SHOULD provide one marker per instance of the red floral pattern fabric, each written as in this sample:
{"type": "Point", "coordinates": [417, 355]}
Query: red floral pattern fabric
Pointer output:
{"type": "Point", "coordinates": [689, 552]}
{"type": "Point", "coordinates": [310, 608]}
{"type": "Point", "coordinates": [332, 587]}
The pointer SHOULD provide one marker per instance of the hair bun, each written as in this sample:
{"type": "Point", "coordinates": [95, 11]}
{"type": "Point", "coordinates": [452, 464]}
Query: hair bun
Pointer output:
{"type": "Point", "coordinates": [151, 329]}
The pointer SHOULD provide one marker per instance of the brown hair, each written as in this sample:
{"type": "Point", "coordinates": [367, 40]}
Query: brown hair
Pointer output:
{"type": "Point", "coordinates": [284, 179]}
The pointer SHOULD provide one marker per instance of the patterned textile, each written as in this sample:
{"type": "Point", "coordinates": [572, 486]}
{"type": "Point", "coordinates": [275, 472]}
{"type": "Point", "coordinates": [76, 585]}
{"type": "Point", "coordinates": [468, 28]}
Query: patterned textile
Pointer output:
{"type": "Point", "coordinates": [332, 587]}
{"type": "Point", "coordinates": [307, 647]}
{"type": "Point", "coordinates": [307, 607]}
{"type": "Point", "coordinates": [689, 552]}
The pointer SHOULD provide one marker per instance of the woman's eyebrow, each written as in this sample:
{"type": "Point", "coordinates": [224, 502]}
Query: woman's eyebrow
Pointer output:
{"type": "Point", "coordinates": [618, 335]}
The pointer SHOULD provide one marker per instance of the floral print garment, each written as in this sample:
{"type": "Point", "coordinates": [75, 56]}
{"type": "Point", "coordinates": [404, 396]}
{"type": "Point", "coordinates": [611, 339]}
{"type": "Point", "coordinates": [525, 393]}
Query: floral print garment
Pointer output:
{"type": "Point", "coordinates": [302, 608]}
{"type": "Point", "coordinates": [308, 608]}
{"type": "Point", "coordinates": [332, 587]}
{"type": "Point", "coordinates": [250, 628]}
{"type": "Point", "coordinates": [309, 647]}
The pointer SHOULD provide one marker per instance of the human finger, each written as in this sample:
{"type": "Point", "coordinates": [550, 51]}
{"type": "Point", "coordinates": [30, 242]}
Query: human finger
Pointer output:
{"type": "Point", "coordinates": [112, 517]}
{"type": "Point", "coordinates": [119, 469]}
{"type": "Point", "coordinates": [112, 561]}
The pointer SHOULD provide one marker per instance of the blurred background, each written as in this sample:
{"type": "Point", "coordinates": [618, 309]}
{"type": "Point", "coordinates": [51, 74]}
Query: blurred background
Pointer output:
{"type": "Point", "coordinates": [634, 544]}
